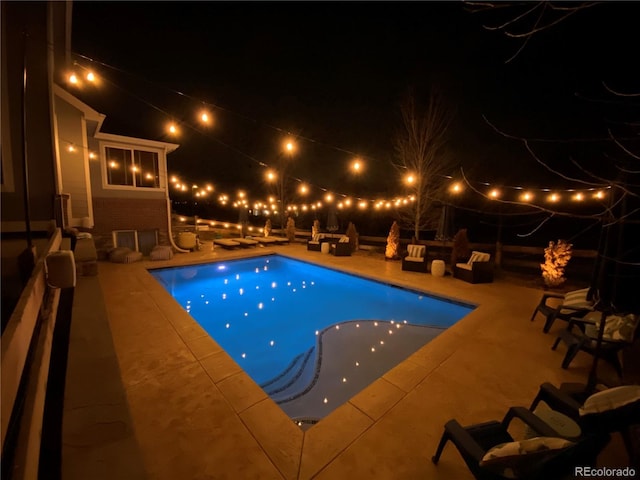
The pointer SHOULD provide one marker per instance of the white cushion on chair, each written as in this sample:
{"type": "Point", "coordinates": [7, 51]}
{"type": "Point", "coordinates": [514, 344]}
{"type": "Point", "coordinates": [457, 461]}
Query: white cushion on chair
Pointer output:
{"type": "Point", "coordinates": [478, 257]}
{"type": "Point", "coordinates": [611, 399]}
{"type": "Point", "coordinates": [577, 299]}
{"type": "Point", "coordinates": [464, 266]}
{"type": "Point", "coordinates": [511, 459]}
{"type": "Point", "coordinates": [416, 251]}
{"type": "Point", "coordinates": [414, 259]}
{"type": "Point", "coordinates": [343, 240]}
{"type": "Point", "coordinates": [617, 328]}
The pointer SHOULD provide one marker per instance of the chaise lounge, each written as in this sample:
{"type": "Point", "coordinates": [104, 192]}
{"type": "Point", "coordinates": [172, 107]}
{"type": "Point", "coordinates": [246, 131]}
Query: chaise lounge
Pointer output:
{"type": "Point", "coordinates": [226, 243]}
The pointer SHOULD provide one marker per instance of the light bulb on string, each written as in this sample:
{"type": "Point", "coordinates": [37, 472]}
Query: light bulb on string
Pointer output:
{"type": "Point", "coordinates": [172, 128]}
{"type": "Point", "coordinates": [526, 197]}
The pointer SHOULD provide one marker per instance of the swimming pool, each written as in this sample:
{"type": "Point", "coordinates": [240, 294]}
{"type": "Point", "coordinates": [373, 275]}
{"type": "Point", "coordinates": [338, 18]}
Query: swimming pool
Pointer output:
{"type": "Point", "coordinates": [310, 336]}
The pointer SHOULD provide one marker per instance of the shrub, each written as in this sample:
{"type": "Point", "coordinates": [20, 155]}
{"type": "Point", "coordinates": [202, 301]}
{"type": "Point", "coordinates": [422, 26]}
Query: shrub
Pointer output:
{"type": "Point", "coordinates": [393, 242]}
{"type": "Point", "coordinates": [460, 248]}
{"type": "Point", "coordinates": [267, 227]}
{"type": "Point", "coordinates": [556, 258]}
{"type": "Point", "coordinates": [352, 233]}
{"type": "Point", "coordinates": [291, 229]}
{"type": "Point", "coordinates": [315, 229]}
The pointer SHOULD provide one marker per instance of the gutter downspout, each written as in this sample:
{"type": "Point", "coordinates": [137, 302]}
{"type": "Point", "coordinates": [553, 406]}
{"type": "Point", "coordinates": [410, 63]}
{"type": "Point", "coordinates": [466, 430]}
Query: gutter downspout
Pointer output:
{"type": "Point", "coordinates": [175, 247]}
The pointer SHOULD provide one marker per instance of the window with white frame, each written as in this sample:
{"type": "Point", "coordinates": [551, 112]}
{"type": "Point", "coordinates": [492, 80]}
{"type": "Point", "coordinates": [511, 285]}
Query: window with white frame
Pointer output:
{"type": "Point", "coordinates": [130, 167]}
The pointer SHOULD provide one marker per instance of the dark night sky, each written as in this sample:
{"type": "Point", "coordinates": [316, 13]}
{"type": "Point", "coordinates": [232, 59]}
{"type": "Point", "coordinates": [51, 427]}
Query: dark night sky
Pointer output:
{"type": "Point", "coordinates": [335, 73]}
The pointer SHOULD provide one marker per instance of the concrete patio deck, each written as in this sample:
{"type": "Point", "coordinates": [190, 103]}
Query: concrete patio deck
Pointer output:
{"type": "Point", "coordinates": [150, 395]}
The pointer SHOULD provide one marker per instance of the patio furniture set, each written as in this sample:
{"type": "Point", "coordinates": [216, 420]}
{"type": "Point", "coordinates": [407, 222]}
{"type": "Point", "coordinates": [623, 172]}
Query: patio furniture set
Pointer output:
{"type": "Point", "coordinates": [553, 446]}
{"type": "Point", "coordinates": [567, 427]}
{"type": "Point", "coordinates": [600, 333]}
{"type": "Point", "coordinates": [338, 246]}
{"type": "Point", "coordinates": [477, 269]}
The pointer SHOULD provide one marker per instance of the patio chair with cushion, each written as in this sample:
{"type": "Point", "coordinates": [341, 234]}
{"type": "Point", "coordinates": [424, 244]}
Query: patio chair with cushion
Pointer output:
{"type": "Point", "coordinates": [341, 248]}
{"type": "Point", "coordinates": [416, 258]}
{"type": "Point", "coordinates": [602, 413]}
{"type": "Point", "coordinates": [576, 303]}
{"type": "Point", "coordinates": [478, 269]}
{"type": "Point", "coordinates": [620, 331]}
{"type": "Point", "coordinates": [314, 244]}
{"type": "Point", "coordinates": [491, 452]}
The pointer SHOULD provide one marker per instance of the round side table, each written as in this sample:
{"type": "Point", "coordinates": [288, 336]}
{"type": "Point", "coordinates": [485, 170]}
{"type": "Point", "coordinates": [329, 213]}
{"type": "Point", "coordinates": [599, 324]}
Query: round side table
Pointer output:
{"type": "Point", "coordinates": [437, 268]}
{"type": "Point", "coordinates": [325, 247]}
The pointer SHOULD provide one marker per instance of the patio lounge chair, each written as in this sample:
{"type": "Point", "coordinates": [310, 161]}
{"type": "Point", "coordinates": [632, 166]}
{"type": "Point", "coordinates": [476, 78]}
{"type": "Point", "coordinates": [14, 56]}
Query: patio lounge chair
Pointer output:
{"type": "Point", "coordinates": [276, 240]}
{"type": "Point", "coordinates": [478, 269]}
{"type": "Point", "coordinates": [602, 413]}
{"type": "Point", "coordinates": [226, 243]}
{"type": "Point", "coordinates": [491, 452]}
{"type": "Point", "coordinates": [341, 248]}
{"type": "Point", "coordinates": [620, 331]}
{"type": "Point", "coordinates": [416, 258]}
{"type": "Point", "coordinates": [246, 242]}
{"type": "Point", "coordinates": [576, 303]}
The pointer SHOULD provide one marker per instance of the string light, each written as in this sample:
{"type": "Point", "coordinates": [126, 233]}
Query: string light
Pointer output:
{"type": "Point", "coordinates": [357, 166]}
{"type": "Point", "coordinates": [205, 117]}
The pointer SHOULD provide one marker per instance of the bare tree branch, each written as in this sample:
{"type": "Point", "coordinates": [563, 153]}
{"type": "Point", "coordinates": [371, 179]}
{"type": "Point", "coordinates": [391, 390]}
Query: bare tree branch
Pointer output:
{"type": "Point", "coordinates": [510, 26]}
{"type": "Point", "coordinates": [619, 94]}
{"type": "Point", "coordinates": [622, 147]}
{"type": "Point", "coordinates": [513, 20]}
{"type": "Point", "coordinates": [420, 152]}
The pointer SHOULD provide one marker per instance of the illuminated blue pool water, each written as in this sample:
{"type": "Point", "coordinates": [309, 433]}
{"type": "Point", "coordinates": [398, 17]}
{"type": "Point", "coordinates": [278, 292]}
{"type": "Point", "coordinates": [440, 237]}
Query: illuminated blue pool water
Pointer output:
{"type": "Point", "coordinates": [270, 314]}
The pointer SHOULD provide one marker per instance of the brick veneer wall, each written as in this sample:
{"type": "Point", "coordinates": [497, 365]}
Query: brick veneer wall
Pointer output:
{"type": "Point", "coordinates": [128, 214]}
